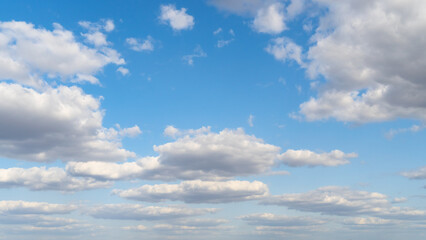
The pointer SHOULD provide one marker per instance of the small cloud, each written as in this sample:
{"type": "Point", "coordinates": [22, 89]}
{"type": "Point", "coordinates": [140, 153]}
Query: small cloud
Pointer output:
{"type": "Point", "coordinates": [231, 32]}
{"type": "Point", "coordinates": [219, 30]}
{"type": "Point", "coordinates": [270, 19]}
{"type": "Point", "coordinates": [223, 43]}
{"type": "Point", "coordinates": [123, 71]}
{"type": "Point", "coordinates": [250, 120]}
{"type": "Point", "coordinates": [198, 53]}
{"type": "Point", "coordinates": [177, 19]}
{"type": "Point", "coordinates": [139, 46]}
{"type": "Point", "coordinates": [413, 129]}
{"type": "Point", "coordinates": [109, 25]}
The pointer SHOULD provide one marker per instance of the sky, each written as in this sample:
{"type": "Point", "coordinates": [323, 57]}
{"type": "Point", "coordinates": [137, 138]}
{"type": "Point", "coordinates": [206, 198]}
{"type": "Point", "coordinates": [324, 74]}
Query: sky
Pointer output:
{"type": "Point", "coordinates": [213, 119]}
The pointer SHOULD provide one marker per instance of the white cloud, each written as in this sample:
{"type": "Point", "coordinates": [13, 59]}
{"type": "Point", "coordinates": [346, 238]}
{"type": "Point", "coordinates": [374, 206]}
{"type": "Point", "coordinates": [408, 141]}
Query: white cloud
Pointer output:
{"type": "Point", "coordinates": [177, 19]}
{"type": "Point", "coordinates": [298, 158]}
{"type": "Point", "coordinates": [368, 53]}
{"type": "Point", "coordinates": [223, 43]}
{"type": "Point", "coordinates": [96, 38]}
{"type": "Point", "coordinates": [270, 19]}
{"type": "Point", "coordinates": [140, 212]}
{"type": "Point", "coordinates": [217, 31]}
{"type": "Point", "coordinates": [415, 128]}
{"type": "Point", "coordinates": [250, 120]}
{"type": "Point", "coordinates": [109, 25]}
{"type": "Point", "coordinates": [46, 179]}
{"type": "Point", "coordinates": [139, 46]}
{"type": "Point", "coordinates": [342, 201]}
{"type": "Point", "coordinates": [369, 222]}
{"type": "Point", "coordinates": [198, 53]}
{"type": "Point", "coordinates": [419, 173]}
{"type": "Point", "coordinates": [23, 207]}
{"type": "Point", "coordinates": [269, 219]}
{"type": "Point", "coordinates": [21, 45]}
{"type": "Point", "coordinates": [284, 49]}
{"type": "Point", "coordinates": [59, 123]}
{"type": "Point", "coordinates": [123, 71]}
{"type": "Point", "coordinates": [196, 154]}
{"type": "Point", "coordinates": [197, 192]}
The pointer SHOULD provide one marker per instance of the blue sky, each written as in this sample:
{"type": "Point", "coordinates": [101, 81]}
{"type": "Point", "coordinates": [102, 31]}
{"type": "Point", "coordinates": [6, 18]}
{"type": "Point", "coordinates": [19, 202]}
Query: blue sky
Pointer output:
{"type": "Point", "coordinates": [242, 119]}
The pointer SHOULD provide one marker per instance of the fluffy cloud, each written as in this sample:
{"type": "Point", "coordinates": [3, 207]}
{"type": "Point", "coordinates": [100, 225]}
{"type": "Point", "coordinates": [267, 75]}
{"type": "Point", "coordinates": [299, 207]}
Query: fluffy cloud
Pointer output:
{"type": "Point", "coordinates": [21, 44]}
{"type": "Point", "coordinates": [298, 158]}
{"type": "Point", "coordinates": [177, 19]}
{"type": "Point", "coordinates": [419, 173]}
{"type": "Point", "coordinates": [46, 179]}
{"type": "Point", "coordinates": [140, 212]}
{"type": "Point", "coordinates": [22, 207]}
{"type": "Point", "coordinates": [270, 19]}
{"type": "Point", "coordinates": [368, 53]}
{"type": "Point", "coordinates": [369, 222]}
{"type": "Point", "coordinates": [139, 46]}
{"type": "Point", "coordinates": [197, 192]}
{"type": "Point", "coordinates": [284, 49]}
{"type": "Point", "coordinates": [59, 123]}
{"type": "Point", "coordinates": [343, 201]}
{"type": "Point", "coordinates": [197, 154]}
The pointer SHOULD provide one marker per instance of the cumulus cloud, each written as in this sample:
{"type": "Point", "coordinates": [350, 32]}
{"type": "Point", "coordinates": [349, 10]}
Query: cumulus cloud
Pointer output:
{"type": "Point", "coordinates": [198, 53]}
{"type": "Point", "coordinates": [140, 212]}
{"type": "Point", "coordinates": [419, 173]}
{"type": "Point", "coordinates": [270, 19]}
{"type": "Point", "coordinates": [21, 45]}
{"type": "Point", "coordinates": [123, 71]}
{"type": "Point", "coordinates": [40, 178]}
{"type": "Point", "coordinates": [139, 46]}
{"type": "Point", "coordinates": [197, 154]}
{"type": "Point", "coordinates": [197, 191]}
{"type": "Point", "coordinates": [298, 158]}
{"type": "Point", "coordinates": [23, 207]}
{"type": "Point", "coordinates": [59, 123]}
{"type": "Point", "coordinates": [284, 49]}
{"type": "Point", "coordinates": [177, 19]}
{"type": "Point", "coordinates": [342, 201]}
{"type": "Point", "coordinates": [368, 53]}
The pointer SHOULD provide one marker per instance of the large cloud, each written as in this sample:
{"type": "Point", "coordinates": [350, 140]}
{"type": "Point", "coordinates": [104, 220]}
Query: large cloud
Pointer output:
{"type": "Point", "coordinates": [46, 179]}
{"type": "Point", "coordinates": [140, 212]}
{"type": "Point", "coordinates": [21, 45]}
{"type": "Point", "coordinates": [59, 123]}
{"type": "Point", "coordinates": [198, 192]}
{"type": "Point", "coordinates": [200, 154]}
{"type": "Point", "coordinates": [343, 201]}
{"type": "Point", "coordinates": [368, 51]}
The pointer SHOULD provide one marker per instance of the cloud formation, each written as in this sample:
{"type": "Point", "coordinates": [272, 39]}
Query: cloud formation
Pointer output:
{"type": "Point", "coordinates": [40, 178]}
{"type": "Point", "coordinates": [177, 19]}
{"type": "Point", "coordinates": [197, 191]}
{"type": "Point", "coordinates": [373, 68]}
{"type": "Point", "coordinates": [342, 201]}
{"type": "Point", "coordinates": [419, 173]}
{"type": "Point", "coordinates": [140, 212]}
{"type": "Point", "coordinates": [139, 46]}
{"type": "Point", "coordinates": [298, 158]}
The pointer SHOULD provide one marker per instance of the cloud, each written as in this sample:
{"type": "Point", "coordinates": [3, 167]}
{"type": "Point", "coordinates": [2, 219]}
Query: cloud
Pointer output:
{"type": "Point", "coordinates": [40, 178]}
{"type": "Point", "coordinates": [270, 19]}
{"type": "Point", "coordinates": [415, 128]}
{"type": "Point", "coordinates": [298, 158]}
{"type": "Point", "coordinates": [177, 19]}
{"type": "Point", "coordinates": [284, 49]}
{"type": "Point", "coordinates": [198, 53]}
{"type": "Point", "coordinates": [23, 207]}
{"type": "Point", "coordinates": [197, 192]}
{"type": "Point", "coordinates": [419, 173]}
{"type": "Point", "coordinates": [342, 201]}
{"type": "Point", "coordinates": [196, 154]}
{"type": "Point", "coordinates": [250, 120]}
{"type": "Point", "coordinates": [139, 46]}
{"type": "Point", "coordinates": [368, 53]}
{"type": "Point", "coordinates": [217, 31]}
{"type": "Point", "coordinates": [240, 7]}
{"type": "Point", "coordinates": [63, 56]}
{"type": "Point", "coordinates": [269, 219]}
{"type": "Point", "coordinates": [123, 71]}
{"type": "Point", "coordinates": [223, 43]}
{"type": "Point", "coordinates": [59, 123]}
{"type": "Point", "coordinates": [369, 222]}
{"type": "Point", "coordinates": [140, 212]}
